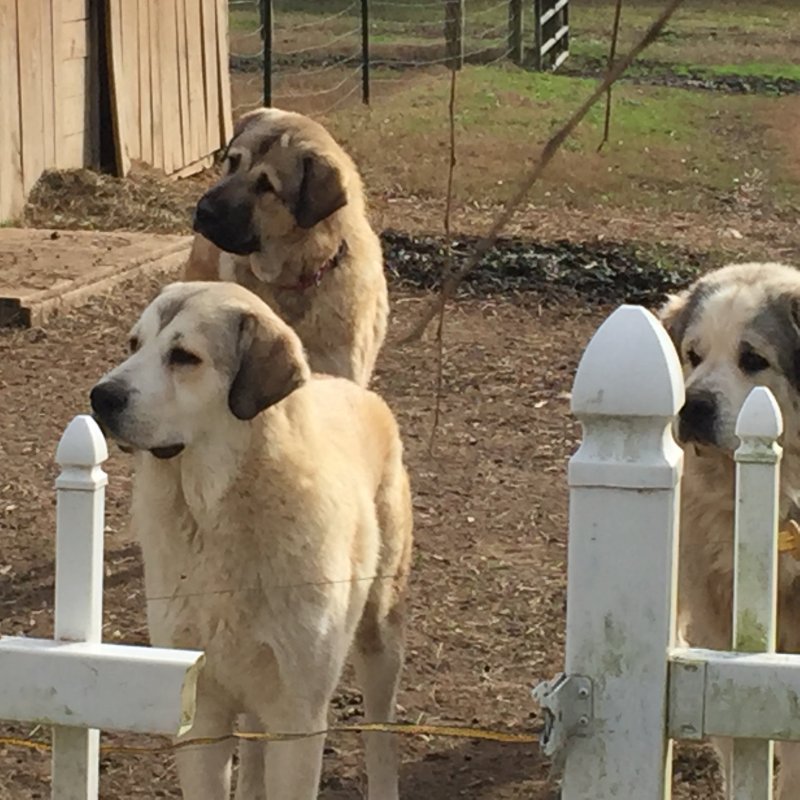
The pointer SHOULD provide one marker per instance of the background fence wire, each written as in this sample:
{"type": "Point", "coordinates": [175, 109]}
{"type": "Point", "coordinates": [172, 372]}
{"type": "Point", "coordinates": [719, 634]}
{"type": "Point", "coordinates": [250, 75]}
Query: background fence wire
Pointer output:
{"type": "Point", "coordinates": [315, 62]}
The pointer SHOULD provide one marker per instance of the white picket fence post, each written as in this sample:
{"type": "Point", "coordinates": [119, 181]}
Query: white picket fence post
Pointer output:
{"type": "Point", "coordinates": [81, 493]}
{"type": "Point", "coordinates": [756, 567]}
{"type": "Point", "coordinates": [628, 690]}
{"type": "Point", "coordinates": [624, 483]}
{"type": "Point", "coordinates": [75, 682]}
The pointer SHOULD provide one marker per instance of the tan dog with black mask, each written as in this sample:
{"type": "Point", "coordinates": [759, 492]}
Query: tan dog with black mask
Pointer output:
{"type": "Point", "coordinates": [288, 221]}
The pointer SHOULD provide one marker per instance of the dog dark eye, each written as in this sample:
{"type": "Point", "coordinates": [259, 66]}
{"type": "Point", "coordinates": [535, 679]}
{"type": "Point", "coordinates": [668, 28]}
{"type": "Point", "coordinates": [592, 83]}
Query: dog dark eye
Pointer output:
{"type": "Point", "coordinates": [694, 359]}
{"type": "Point", "coordinates": [263, 184]}
{"type": "Point", "coordinates": [133, 344]}
{"type": "Point", "coordinates": [750, 362]}
{"type": "Point", "coordinates": [180, 357]}
{"type": "Point", "coordinates": [234, 159]}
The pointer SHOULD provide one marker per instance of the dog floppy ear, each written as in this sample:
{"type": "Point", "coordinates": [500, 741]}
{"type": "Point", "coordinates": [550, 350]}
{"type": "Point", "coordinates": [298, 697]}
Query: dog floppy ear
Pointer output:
{"type": "Point", "coordinates": [321, 192]}
{"type": "Point", "coordinates": [678, 310]}
{"type": "Point", "coordinates": [793, 301]}
{"type": "Point", "coordinates": [787, 337]}
{"type": "Point", "coordinates": [271, 366]}
{"type": "Point", "coordinates": [671, 310]}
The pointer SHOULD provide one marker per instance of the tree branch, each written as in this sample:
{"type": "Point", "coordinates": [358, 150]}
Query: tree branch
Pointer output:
{"type": "Point", "coordinates": [612, 54]}
{"type": "Point", "coordinates": [452, 281]}
{"type": "Point", "coordinates": [437, 411]}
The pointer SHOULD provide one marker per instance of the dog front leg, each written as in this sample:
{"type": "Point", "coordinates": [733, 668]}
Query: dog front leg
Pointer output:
{"type": "Point", "coordinates": [250, 779]}
{"type": "Point", "coordinates": [204, 770]}
{"type": "Point", "coordinates": [293, 768]}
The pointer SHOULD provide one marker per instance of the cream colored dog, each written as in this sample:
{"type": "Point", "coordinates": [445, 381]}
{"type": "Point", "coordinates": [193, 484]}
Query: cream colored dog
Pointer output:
{"type": "Point", "coordinates": [288, 221]}
{"type": "Point", "coordinates": [274, 515]}
{"type": "Point", "coordinates": [735, 328]}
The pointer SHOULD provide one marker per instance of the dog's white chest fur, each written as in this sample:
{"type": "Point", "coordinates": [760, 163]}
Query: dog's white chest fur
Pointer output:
{"type": "Point", "coordinates": [213, 582]}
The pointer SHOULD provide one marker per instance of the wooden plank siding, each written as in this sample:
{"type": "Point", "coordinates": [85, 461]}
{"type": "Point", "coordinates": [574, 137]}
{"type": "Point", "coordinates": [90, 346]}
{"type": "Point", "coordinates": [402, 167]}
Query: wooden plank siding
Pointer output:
{"type": "Point", "coordinates": [143, 83]}
{"type": "Point", "coordinates": [167, 77]}
{"type": "Point", "coordinates": [11, 194]}
{"type": "Point", "coordinates": [211, 70]}
{"type": "Point", "coordinates": [30, 30]}
{"type": "Point", "coordinates": [226, 114]}
{"type": "Point", "coordinates": [181, 81]}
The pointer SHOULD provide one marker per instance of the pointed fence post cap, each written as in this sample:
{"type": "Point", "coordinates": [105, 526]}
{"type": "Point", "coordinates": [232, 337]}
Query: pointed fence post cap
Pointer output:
{"type": "Point", "coordinates": [82, 444]}
{"type": "Point", "coordinates": [760, 417]}
{"type": "Point", "coordinates": [629, 369]}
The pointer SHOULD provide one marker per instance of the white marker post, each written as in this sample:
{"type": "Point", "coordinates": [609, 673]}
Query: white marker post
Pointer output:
{"type": "Point", "coordinates": [755, 585]}
{"type": "Point", "coordinates": [75, 683]}
{"type": "Point", "coordinates": [624, 485]}
{"type": "Point", "coordinates": [80, 515]}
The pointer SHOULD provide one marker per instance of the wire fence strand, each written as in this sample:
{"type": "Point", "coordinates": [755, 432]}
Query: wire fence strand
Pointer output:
{"type": "Point", "coordinates": [352, 10]}
{"type": "Point", "coordinates": [315, 48]}
{"type": "Point", "coordinates": [398, 728]}
{"type": "Point", "coordinates": [313, 58]}
{"type": "Point", "coordinates": [270, 587]}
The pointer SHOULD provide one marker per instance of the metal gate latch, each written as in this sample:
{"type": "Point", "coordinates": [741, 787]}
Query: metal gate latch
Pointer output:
{"type": "Point", "coordinates": [566, 703]}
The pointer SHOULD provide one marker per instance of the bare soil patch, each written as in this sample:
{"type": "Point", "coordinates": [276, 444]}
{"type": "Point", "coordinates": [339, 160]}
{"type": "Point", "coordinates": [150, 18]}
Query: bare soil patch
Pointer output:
{"type": "Point", "coordinates": [47, 271]}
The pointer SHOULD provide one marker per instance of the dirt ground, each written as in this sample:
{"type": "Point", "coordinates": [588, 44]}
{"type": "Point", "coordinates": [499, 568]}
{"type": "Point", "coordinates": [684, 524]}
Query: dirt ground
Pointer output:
{"type": "Point", "coordinates": [488, 590]}
{"type": "Point", "coordinates": [490, 498]}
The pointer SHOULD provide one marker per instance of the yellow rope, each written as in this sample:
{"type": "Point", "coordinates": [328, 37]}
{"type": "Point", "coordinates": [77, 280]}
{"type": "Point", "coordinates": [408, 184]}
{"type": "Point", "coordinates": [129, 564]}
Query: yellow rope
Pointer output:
{"type": "Point", "coordinates": [401, 728]}
{"type": "Point", "coordinates": [789, 539]}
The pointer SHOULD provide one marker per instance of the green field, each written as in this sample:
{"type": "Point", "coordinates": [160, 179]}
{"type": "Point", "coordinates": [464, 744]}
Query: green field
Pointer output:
{"type": "Point", "coordinates": [670, 147]}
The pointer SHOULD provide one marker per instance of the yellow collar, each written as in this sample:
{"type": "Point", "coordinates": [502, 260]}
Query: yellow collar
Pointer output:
{"type": "Point", "coordinates": [789, 539]}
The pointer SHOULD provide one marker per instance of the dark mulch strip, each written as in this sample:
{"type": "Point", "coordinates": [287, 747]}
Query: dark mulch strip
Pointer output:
{"type": "Point", "coordinates": [597, 272]}
{"type": "Point", "coordinates": [603, 272]}
{"type": "Point", "coordinates": [731, 84]}
{"type": "Point", "coordinates": [659, 74]}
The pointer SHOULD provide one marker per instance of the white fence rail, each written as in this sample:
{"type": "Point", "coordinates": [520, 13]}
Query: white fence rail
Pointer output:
{"type": "Point", "coordinates": [628, 691]}
{"type": "Point", "coordinates": [74, 682]}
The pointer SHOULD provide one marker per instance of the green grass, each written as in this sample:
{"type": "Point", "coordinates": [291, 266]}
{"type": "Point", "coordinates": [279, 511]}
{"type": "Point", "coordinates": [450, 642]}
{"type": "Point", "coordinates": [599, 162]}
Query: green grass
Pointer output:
{"type": "Point", "coordinates": [408, 11]}
{"type": "Point", "coordinates": [761, 69]}
{"type": "Point", "coordinates": [701, 31]}
{"type": "Point", "coordinates": [669, 148]}
{"type": "Point", "coordinates": [403, 23]}
{"type": "Point", "coordinates": [770, 70]}
{"type": "Point", "coordinates": [500, 100]}
{"type": "Point", "coordinates": [724, 36]}
{"type": "Point", "coordinates": [243, 20]}
{"type": "Point", "coordinates": [705, 33]}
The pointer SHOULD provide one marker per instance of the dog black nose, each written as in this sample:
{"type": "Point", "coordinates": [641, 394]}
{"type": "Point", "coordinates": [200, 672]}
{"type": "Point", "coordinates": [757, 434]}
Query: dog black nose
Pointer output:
{"type": "Point", "coordinates": [109, 399]}
{"type": "Point", "coordinates": [203, 213]}
{"type": "Point", "coordinates": [697, 418]}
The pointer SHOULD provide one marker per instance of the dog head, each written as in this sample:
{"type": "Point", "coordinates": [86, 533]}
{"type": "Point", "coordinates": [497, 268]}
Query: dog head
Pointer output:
{"type": "Point", "coordinates": [736, 328]}
{"type": "Point", "coordinates": [199, 352]}
{"type": "Point", "coordinates": [282, 174]}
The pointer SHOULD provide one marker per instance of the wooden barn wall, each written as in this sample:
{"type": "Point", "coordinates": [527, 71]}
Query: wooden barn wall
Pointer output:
{"type": "Point", "coordinates": [167, 84]}
{"type": "Point", "coordinates": [45, 86]}
{"type": "Point", "coordinates": [170, 81]}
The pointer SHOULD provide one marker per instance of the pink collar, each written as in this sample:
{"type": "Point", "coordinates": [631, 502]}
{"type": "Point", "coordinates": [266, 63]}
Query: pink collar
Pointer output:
{"type": "Point", "coordinates": [307, 281]}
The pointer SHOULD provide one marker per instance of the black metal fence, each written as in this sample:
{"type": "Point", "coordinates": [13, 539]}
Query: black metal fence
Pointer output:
{"type": "Point", "coordinates": [530, 33]}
